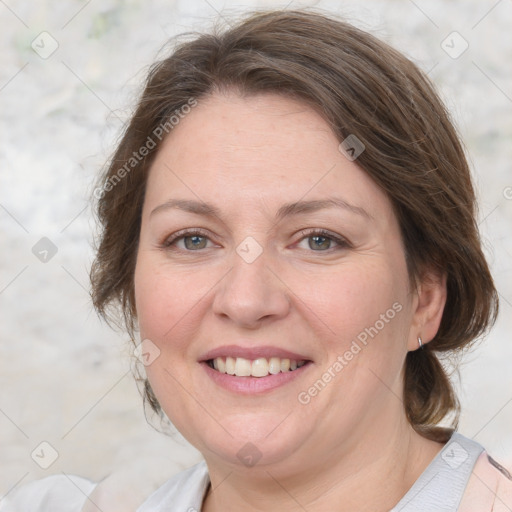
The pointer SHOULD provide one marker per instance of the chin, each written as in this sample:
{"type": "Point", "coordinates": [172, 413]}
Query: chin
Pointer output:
{"type": "Point", "coordinates": [247, 440]}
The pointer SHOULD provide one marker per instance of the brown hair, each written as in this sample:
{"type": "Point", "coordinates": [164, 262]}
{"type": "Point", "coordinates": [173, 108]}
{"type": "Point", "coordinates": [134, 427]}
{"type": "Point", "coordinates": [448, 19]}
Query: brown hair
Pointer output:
{"type": "Point", "coordinates": [362, 87]}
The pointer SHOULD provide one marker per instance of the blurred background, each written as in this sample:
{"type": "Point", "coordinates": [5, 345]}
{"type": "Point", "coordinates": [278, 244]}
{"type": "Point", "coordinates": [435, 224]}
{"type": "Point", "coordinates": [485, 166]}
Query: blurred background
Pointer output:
{"type": "Point", "coordinates": [70, 73]}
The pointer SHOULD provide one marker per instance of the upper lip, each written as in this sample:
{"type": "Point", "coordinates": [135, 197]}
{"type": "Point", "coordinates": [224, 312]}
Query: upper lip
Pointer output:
{"type": "Point", "coordinates": [266, 351]}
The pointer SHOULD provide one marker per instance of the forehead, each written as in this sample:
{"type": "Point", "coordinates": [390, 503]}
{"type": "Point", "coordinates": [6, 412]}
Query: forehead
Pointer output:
{"type": "Point", "coordinates": [254, 150]}
{"type": "Point", "coordinates": [229, 127]}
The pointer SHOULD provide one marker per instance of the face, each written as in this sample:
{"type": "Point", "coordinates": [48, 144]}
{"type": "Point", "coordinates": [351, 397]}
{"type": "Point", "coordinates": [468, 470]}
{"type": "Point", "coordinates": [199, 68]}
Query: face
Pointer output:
{"type": "Point", "coordinates": [263, 248]}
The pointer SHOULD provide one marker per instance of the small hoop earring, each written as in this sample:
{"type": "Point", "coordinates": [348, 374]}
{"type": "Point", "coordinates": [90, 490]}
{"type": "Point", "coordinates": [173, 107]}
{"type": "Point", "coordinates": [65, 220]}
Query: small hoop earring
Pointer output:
{"type": "Point", "coordinates": [420, 342]}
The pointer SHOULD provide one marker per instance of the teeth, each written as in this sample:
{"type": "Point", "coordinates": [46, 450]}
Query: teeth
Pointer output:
{"type": "Point", "coordinates": [260, 367]}
{"type": "Point", "coordinates": [285, 365]}
{"type": "Point", "coordinates": [274, 365]}
{"type": "Point", "coordinates": [230, 365]}
{"type": "Point", "coordinates": [243, 367]}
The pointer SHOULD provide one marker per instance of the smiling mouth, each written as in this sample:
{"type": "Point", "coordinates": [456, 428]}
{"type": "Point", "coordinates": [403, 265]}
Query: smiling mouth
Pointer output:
{"type": "Point", "coordinates": [261, 367]}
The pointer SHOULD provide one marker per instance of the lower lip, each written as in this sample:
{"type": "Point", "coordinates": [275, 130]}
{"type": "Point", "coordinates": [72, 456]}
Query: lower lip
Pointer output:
{"type": "Point", "coordinates": [253, 385]}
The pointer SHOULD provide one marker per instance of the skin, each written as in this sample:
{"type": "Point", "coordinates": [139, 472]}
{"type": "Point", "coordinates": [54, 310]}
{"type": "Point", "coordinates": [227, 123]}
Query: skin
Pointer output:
{"type": "Point", "coordinates": [350, 447]}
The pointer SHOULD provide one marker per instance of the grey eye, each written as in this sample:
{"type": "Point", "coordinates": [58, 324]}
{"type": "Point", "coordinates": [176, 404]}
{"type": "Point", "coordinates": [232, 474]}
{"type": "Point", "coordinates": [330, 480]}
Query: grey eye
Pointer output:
{"type": "Point", "coordinates": [195, 242]}
{"type": "Point", "coordinates": [319, 242]}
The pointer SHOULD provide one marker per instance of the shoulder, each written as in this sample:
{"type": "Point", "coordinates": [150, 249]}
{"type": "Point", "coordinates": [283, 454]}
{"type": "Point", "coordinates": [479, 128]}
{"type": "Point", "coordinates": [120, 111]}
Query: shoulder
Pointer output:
{"type": "Point", "coordinates": [121, 491]}
{"type": "Point", "coordinates": [56, 493]}
{"type": "Point", "coordinates": [489, 487]}
{"type": "Point", "coordinates": [135, 488]}
{"type": "Point", "coordinates": [185, 491]}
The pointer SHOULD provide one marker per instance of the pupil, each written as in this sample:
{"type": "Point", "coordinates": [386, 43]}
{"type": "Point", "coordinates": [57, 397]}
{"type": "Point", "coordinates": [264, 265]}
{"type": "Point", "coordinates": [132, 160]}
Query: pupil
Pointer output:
{"type": "Point", "coordinates": [324, 245]}
{"type": "Point", "coordinates": [193, 242]}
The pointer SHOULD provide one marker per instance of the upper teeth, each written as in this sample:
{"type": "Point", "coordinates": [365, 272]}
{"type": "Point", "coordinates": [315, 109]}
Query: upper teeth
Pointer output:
{"type": "Point", "coordinates": [260, 367]}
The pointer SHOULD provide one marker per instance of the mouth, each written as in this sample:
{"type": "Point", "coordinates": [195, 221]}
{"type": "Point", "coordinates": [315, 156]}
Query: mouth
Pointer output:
{"type": "Point", "coordinates": [260, 367]}
{"type": "Point", "coordinates": [253, 370]}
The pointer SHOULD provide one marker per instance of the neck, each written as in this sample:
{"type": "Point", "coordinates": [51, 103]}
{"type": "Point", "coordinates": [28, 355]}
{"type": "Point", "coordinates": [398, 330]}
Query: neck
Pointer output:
{"type": "Point", "coordinates": [372, 475]}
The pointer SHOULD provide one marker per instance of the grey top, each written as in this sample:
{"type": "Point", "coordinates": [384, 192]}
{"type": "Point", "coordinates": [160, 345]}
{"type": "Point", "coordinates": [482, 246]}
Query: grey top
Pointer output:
{"type": "Point", "coordinates": [439, 488]}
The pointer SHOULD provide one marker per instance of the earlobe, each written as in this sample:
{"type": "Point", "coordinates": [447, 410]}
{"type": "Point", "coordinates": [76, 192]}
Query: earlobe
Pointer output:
{"type": "Point", "coordinates": [431, 300]}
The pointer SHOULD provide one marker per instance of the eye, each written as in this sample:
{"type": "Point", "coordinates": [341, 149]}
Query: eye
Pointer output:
{"type": "Point", "coordinates": [319, 240]}
{"type": "Point", "coordinates": [193, 240]}
{"type": "Point", "coordinates": [322, 240]}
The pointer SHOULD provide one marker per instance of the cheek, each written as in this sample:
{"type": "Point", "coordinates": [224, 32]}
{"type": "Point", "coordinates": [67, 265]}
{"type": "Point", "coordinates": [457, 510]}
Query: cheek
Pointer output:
{"type": "Point", "coordinates": [367, 309]}
{"type": "Point", "coordinates": [151, 300]}
{"type": "Point", "coordinates": [168, 301]}
{"type": "Point", "coordinates": [356, 296]}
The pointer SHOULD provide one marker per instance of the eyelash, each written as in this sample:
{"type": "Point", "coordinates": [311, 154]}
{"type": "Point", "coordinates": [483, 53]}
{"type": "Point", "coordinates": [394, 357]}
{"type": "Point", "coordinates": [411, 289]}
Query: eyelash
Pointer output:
{"type": "Point", "coordinates": [306, 233]}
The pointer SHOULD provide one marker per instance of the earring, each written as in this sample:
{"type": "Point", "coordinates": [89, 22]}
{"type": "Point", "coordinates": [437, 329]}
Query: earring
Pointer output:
{"type": "Point", "coordinates": [420, 342]}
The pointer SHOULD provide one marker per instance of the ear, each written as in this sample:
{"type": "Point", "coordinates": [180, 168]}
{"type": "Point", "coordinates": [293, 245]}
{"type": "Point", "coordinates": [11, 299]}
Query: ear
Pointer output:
{"type": "Point", "coordinates": [428, 308]}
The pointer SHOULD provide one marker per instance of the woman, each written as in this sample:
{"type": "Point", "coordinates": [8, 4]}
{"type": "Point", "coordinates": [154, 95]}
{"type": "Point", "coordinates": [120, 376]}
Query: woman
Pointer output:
{"type": "Point", "coordinates": [289, 227]}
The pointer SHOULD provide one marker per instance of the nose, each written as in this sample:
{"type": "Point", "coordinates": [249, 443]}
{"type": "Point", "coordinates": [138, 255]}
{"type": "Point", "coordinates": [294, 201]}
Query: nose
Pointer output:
{"type": "Point", "coordinates": [251, 294]}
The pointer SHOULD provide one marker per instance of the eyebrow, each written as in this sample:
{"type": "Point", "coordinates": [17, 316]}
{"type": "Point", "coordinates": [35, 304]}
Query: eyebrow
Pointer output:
{"type": "Point", "coordinates": [288, 209]}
